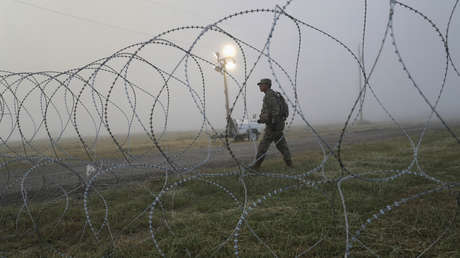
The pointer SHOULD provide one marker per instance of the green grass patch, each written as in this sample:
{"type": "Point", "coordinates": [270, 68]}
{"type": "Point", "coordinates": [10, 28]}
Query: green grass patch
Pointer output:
{"type": "Point", "coordinates": [198, 217]}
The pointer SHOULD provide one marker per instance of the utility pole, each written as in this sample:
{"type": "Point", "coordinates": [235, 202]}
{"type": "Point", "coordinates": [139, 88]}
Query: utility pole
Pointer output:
{"type": "Point", "coordinates": [225, 62]}
{"type": "Point", "coordinates": [223, 70]}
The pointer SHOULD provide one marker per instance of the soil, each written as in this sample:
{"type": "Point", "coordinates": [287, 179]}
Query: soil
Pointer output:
{"type": "Point", "coordinates": [71, 174]}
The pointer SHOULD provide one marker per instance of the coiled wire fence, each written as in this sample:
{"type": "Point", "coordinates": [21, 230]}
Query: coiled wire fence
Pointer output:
{"type": "Point", "coordinates": [67, 100]}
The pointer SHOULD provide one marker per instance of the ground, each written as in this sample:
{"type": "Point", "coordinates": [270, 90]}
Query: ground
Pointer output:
{"type": "Point", "coordinates": [394, 208]}
{"type": "Point", "coordinates": [299, 140]}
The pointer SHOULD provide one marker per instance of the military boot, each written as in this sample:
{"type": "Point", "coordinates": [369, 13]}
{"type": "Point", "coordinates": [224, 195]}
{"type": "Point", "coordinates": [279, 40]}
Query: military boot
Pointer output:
{"type": "Point", "coordinates": [289, 163]}
{"type": "Point", "coordinates": [257, 164]}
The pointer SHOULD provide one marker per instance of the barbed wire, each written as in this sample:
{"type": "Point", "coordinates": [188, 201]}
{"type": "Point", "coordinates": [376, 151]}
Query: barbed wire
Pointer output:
{"type": "Point", "coordinates": [32, 102]}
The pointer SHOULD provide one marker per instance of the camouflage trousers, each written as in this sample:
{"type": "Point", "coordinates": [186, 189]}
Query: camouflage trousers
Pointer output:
{"type": "Point", "coordinates": [270, 136]}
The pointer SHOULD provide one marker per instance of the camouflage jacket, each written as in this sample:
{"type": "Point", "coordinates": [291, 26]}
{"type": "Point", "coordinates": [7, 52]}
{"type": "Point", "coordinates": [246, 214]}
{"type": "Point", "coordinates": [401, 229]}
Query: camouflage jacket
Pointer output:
{"type": "Point", "coordinates": [270, 113]}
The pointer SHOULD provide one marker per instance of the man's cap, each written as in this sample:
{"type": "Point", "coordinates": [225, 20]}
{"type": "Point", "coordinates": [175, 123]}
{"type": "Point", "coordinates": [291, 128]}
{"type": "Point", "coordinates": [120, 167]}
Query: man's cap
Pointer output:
{"type": "Point", "coordinates": [265, 81]}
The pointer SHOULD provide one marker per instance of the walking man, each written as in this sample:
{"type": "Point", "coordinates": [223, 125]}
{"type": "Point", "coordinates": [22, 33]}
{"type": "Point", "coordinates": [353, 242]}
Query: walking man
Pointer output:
{"type": "Point", "coordinates": [271, 115]}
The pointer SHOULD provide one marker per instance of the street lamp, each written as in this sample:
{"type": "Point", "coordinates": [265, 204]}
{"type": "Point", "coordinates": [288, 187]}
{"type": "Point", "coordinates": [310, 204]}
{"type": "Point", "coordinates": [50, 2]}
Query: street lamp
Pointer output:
{"type": "Point", "coordinates": [226, 62]}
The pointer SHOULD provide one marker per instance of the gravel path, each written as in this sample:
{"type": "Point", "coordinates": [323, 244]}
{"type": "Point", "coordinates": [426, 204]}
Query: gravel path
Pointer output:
{"type": "Point", "coordinates": [71, 173]}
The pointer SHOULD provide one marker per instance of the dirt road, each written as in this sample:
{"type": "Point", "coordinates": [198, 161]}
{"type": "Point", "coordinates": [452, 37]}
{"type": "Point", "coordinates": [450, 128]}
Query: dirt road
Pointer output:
{"type": "Point", "coordinates": [70, 173]}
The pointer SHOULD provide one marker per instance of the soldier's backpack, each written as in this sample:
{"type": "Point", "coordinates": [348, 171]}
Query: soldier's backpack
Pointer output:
{"type": "Point", "coordinates": [284, 108]}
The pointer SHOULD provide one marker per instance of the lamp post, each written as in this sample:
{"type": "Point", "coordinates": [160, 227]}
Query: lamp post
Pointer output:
{"type": "Point", "coordinates": [226, 62]}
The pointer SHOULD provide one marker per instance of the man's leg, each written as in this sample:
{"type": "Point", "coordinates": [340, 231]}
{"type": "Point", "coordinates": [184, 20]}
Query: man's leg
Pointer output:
{"type": "Point", "coordinates": [282, 146]}
{"type": "Point", "coordinates": [263, 148]}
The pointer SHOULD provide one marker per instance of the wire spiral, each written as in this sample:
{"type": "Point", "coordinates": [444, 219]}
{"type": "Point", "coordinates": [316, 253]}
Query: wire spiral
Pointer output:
{"type": "Point", "coordinates": [70, 102]}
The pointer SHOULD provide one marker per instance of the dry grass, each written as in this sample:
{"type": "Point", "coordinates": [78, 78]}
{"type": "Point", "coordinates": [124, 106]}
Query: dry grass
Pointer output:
{"type": "Point", "coordinates": [197, 217]}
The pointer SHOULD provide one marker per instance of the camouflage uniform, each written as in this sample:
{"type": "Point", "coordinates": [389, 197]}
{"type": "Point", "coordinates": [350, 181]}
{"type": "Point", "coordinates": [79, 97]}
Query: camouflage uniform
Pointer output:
{"type": "Point", "coordinates": [274, 125]}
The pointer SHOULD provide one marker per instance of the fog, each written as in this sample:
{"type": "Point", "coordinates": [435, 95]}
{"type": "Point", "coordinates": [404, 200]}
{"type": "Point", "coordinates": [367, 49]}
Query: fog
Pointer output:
{"type": "Point", "coordinates": [51, 35]}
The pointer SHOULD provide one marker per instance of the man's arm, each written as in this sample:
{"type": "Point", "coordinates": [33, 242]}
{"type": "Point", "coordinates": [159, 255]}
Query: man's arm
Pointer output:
{"type": "Point", "coordinates": [264, 113]}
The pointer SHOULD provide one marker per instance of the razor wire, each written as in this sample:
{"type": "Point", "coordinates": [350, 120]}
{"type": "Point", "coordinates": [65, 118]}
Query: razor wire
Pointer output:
{"type": "Point", "coordinates": [83, 97]}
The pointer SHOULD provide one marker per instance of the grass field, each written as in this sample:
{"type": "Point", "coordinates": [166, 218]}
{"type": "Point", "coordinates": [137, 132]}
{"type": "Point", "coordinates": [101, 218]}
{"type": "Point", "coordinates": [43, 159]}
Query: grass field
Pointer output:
{"type": "Point", "coordinates": [199, 215]}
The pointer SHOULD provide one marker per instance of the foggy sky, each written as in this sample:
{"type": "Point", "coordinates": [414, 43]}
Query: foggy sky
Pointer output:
{"type": "Point", "coordinates": [52, 35]}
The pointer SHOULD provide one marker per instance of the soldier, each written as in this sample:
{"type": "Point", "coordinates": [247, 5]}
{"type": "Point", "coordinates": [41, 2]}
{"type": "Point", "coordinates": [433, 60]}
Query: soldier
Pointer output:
{"type": "Point", "coordinates": [274, 125]}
